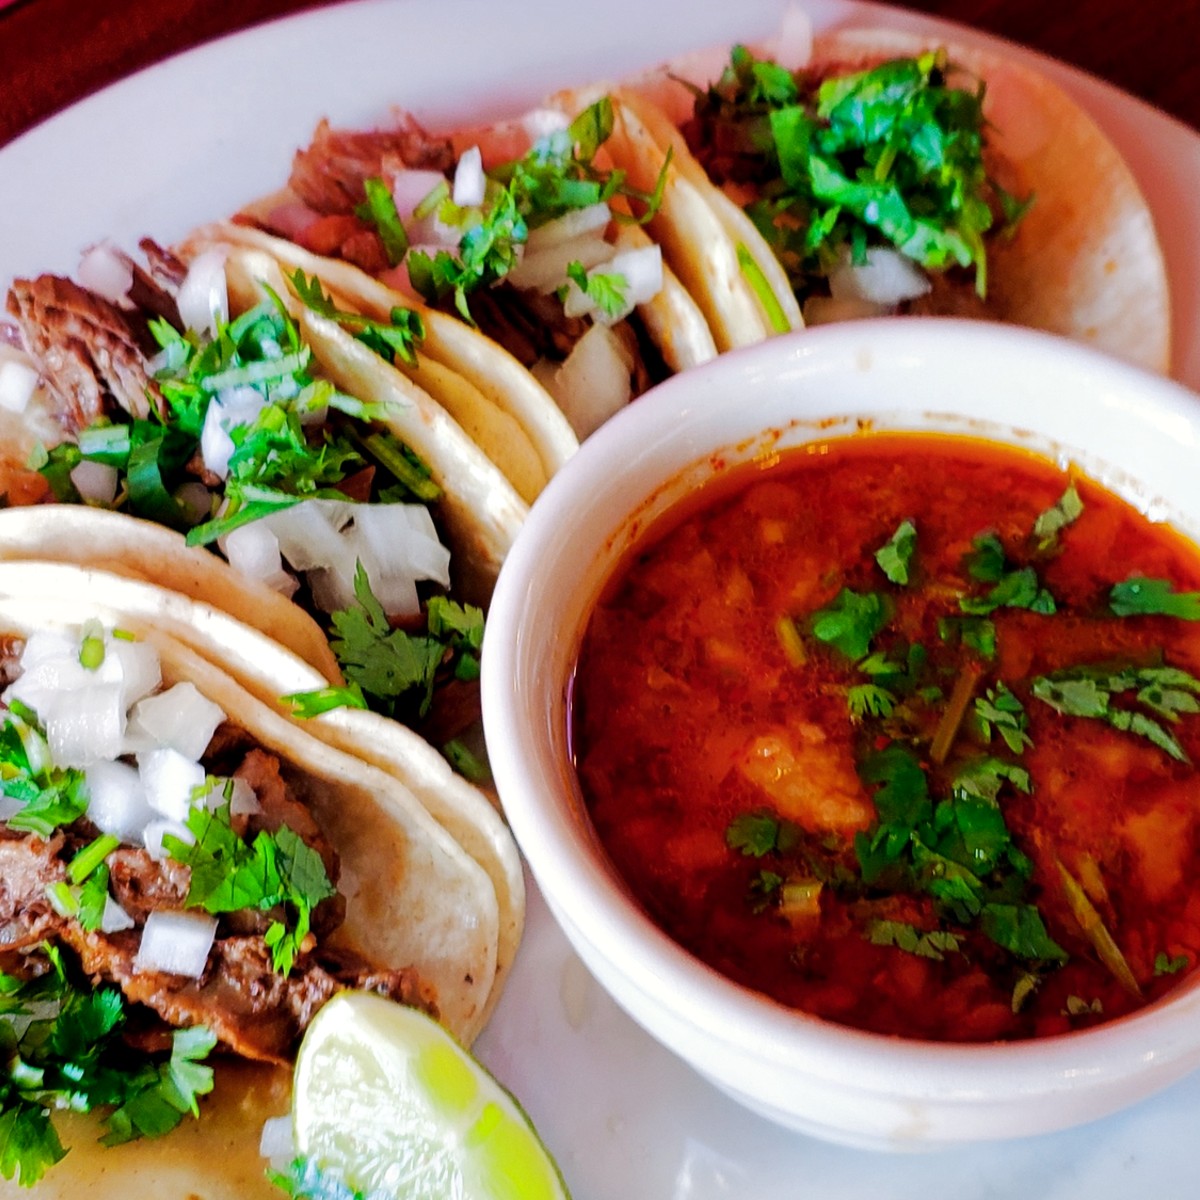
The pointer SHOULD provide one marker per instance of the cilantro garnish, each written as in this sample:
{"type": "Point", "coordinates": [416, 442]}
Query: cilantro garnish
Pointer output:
{"type": "Point", "coordinates": [277, 869]}
{"type": "Point", "coordinates": [1050, 523]}
{"type": "Point", "coordinates": [895, 555]}
{"type": "Point", "coordinates": [379, 209]}
{"type": "Point", "coordinates": [1088, 691]}
{"type": "Point", "coordinates": [933, 943]}
{"type": "Point", "coordinates": [753, 834]}
{"type": "Point", "coordinates": [306, 705]}
{"type": "Point", "coordinates": [391, 340]}
{"type": "Point", "coordinates": [999, 709]}
{"type": "Point", "coordinates": [305, 1179]}
{"type": "Point", "coordinates": [1153, 597]}
{"type": "Point", "coordinates": [606, 288]}
{"type": "Point", "coordinates": [69, 1053]}
{"type": "Point", "coordinates": [390, 665]}
{"type": "Point", "coordinates": [52, 796]}
{"type": "Point", "coordinates": [851, 621]}
{"type": "Point", "coordinates": [1164, 964]}
{"type": "Point", "coordinates": [977, 633]}
{"type": "Point", "coordinates": [1015, 587]}
{"type": "Point", "coordinates": [890, 156]}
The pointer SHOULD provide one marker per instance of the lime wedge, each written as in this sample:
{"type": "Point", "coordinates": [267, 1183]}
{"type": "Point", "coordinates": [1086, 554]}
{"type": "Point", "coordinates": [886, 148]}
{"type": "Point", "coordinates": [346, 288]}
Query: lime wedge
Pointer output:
{"type": "Point", "coordinates": [386, 1100]}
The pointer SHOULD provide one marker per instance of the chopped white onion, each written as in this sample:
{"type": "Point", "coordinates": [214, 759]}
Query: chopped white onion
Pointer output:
{"type": "Point", "coordinates": [18, 382]}
{"type": "Point", "coordinates": [133, 664]}
{"type": "Point", "coordinates": [117, 800]}
{"type": "Point", "coordinates": [276, 1144]}
{"type": "Point", "coordinates": [230, 409]}
{"type": "Point", "coordinates": [642, 273]}
{"type": "Point", "coordinates": [546, 270]}
{"type": "Point", "coordinates": [195, 500]}
{"type": "Point", "coordinates": [592, 219]}
{"type": "Point", "coordinates": [155, 831]}
{"type": "Point", "coordinates": [9, 807]}
{"type": "Point", "coordinates": [397, 545]}
{"type": "Point", "coordinates": [86, 726]}
{"type": "Point", "coordinates": [114, 918]}
{"type": "Point", "coordinates": [176, 943]}
{"type": "Point", "coordinates": [886, 277]}
{"type": "Point", "coordinates": [235, 792]}
{"type": "Point", "coordinates": [179, 718]}
{"type": "Point", "coordinates": [171, 781]}
{"type": "Point", "coordinates": [594, 382]}
{"type": "Point", "coordinates": [253, 551]}
{"type": "Point", "coordinates": [469, 179]}
{"type": "Point", "coordinates": [203, 299]}
{"type": "Point", "coordinates": [541, 123]}
{"type": "Point", "coordinates": [106, 271]}
{"type": "Point", "coordinates": [95, 481]}
{"type": "Point", "coordinates": [410, 188]}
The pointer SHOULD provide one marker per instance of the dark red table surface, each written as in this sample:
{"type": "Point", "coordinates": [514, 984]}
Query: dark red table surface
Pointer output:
{"type": "Point", "coordinates": [53, 52]}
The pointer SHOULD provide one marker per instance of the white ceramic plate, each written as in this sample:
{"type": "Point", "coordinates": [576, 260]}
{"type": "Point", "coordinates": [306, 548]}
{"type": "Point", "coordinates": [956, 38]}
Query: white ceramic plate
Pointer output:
{"type": "Point", "coordinates": [191, 139]}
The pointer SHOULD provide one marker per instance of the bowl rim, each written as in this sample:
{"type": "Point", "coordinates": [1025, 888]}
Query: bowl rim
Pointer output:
{"type": "Point", "coordinates": [562, 859]}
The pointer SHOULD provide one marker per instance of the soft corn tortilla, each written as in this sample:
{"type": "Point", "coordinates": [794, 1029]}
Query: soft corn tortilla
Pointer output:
{"type": "Point", "coordinates": [414, 898]}
{"type": "Point", "coordinates": [1085, 263]}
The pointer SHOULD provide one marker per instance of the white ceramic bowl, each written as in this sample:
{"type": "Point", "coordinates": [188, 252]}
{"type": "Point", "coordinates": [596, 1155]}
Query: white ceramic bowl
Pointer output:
{"type": "Point", "coordinates": [1138, 434]}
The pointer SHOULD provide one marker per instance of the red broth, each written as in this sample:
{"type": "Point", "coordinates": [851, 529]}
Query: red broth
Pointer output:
{"type": "Point", "coordinates": [934, 809]}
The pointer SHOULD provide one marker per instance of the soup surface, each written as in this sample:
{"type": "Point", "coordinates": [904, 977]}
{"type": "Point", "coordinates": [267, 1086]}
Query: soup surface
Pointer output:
{"type": "Point", "coordinates": [900, 730]}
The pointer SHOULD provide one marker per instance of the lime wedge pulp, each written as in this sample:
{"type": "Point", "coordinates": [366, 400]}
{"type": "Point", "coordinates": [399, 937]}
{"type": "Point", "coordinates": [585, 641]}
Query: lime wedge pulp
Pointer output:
{"type": "Point", "coordinates": [387, 1100]}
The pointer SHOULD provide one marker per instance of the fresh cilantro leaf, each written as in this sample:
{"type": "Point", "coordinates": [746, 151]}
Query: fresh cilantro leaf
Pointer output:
{"type": "Point", "coordinates": [977, 633]}
{"type": "Point", "coordinates": [895, 555]}
{"type": "Point", "coordinates": [397, 338]}
{"type": "Point", "coordinates": [933, 943]}
{"type": "Point", "coordinates": [1164, 964]}
{"type": "Point", "coordinates": [1015, 587]}
{"type": "Point", "coordinates": [753, 834]}
{"type": "Point", "coordinates": [305, 705]}
{"type": "Point", "coordinates": [379, 209]}
{"type": "Point", "coordinates": [1088, 691]}
{"type": "Point", "coordinates": [870, 700]}
{"type": "Point", "coordinates": [306, 1180]}
{"type": "Point", "coordinates": [1153, 597]}
{"type": "Point", "coordinates": [228, 875]}
{"type": "Point", "coordinates": [1002, 711]}
{"type": "Point", "coordinates": [1050, 523]}
{"type": "Point", "coordinates": [52, 796]}
{"type": "Point", "coordinates": [606, 288]}
{"type": "Point", "coordinates": [851, 621]}
{"type": "Point", "coordinates": [29, 1144]}
{"type": "Point", "coordinates": [466, 761]}
{"type": "Point", "coordinates": [1077, 1006]}
{"type": "Point", "coordinates": [984, 777]}
{"type": "Point", "coordinates": [1019, 929]}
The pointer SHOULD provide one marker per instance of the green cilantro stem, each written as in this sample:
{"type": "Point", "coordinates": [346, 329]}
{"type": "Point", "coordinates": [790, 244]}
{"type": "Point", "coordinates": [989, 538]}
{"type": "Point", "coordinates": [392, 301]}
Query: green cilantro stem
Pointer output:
{"type": "Point", "coordinates": [91, 856]}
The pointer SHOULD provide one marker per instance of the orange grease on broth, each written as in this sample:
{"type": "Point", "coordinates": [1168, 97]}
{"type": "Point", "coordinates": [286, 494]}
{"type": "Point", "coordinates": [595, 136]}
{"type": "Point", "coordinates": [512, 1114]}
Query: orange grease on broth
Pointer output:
{"type": "Point", "coordinates": [686, 712]}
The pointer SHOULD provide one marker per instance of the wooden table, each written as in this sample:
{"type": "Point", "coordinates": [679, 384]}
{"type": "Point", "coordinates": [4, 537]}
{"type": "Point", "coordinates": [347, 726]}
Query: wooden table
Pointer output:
{"type": "Point", "coordinates": [53, 52]}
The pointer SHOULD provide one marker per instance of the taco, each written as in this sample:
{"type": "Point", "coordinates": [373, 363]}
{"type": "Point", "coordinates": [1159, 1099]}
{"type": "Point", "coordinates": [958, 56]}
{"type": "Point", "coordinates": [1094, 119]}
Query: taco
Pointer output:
{"type": "Point", "coordinates": [523, 230]}
{"type": "Point", "coordinates": [279, 679]}
{"type": "Point", "coordinates": [188, 876]}
{"type": "Point", "coordinates": [277, 436]}
{"type": "Point", "coordinates": [894, 174]}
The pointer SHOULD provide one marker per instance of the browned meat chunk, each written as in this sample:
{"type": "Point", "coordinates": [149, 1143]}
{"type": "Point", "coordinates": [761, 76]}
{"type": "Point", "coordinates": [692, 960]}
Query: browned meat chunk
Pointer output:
{"type": "Point", "coordinates": [140, 884]}
{"type": "Point", "coordinates": [27, 866]}
{"type": "Point", "coordinates": [86, 349]}
{"type": "Point", "coordinates": [328, 176]}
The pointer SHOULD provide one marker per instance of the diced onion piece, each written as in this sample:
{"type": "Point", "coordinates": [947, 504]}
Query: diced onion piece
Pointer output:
{"type": "Point", "coordinates": [171, 781]}
{"type": "Point", "coordinates": [134, 664]}
{"type": "Point", "coordinates": [253, 551]}
{"type": "Point", "coordinates": [641, 273]}
{"type": "Point", "coordinates": [574, 224]}
{"type": "Point", "coordinates": [237, 793]}
{"type": "Point", "coordinates": [546, 270]}
{"type": "Point", "coordinates": [155, 831]}
{"type": "Point", "coordinates": [276, 1143]}
{"type": "Point", "coordinates": [195, 500]}
{"type": "Point", "coordinates": [9, 807]}
{"type": "Point", "coordinates": [409, 189]}
{"type": "Point", "coordinates": [96, 482]}
{"type": "Point", "coordinates": [117, 800]}
{"type": "Point", "coordinates": [230, 409]}
{"type": "Point", "coordinates": [176, 943]}
{"type": "Point", "coordinates": [18, 382]}
{"type": "Point", "coordinates": [179, 718]}
{"type": "Point", "coordinates": [595, 381]}
{"type": "Point", "coordinates": [203, 299]}
{"type": "Point", "coordinates": [114, 919]}
{"type": "Point", "coordinates": [86, 726]}
{"type": "Point", "coordinates": [469, 179]}
{"type": "Point", "coordinates": [886, 277]}
{"type": "Point", "coordinates": [107, 272]}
